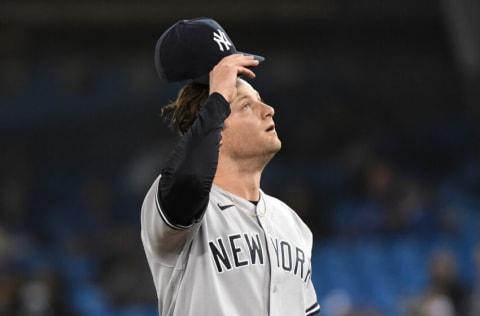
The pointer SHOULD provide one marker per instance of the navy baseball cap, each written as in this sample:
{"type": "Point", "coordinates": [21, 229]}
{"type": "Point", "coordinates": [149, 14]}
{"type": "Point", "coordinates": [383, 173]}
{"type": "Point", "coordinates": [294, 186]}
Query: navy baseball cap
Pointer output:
{"type": "Point", "coordinates": [189, 49]}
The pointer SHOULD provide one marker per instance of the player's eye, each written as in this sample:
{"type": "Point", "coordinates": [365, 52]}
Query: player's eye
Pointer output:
{"type": "Point", "coordinates": [246, 105]}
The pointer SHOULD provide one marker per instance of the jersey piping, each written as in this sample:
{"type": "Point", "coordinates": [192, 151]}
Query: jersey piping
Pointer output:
{"type": "Point", "coordinates": [312, 310]}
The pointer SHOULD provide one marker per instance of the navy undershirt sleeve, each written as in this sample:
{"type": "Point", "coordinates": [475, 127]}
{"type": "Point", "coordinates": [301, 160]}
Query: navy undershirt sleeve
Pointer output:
{"type": "Point", "coordinates": [188, 174]}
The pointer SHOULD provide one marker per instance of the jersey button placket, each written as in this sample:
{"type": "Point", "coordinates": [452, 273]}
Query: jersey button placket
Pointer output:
{"type": "Point", "coordinates": [266, 228]}
{"type": "Point", "coordinates": [275, 275]}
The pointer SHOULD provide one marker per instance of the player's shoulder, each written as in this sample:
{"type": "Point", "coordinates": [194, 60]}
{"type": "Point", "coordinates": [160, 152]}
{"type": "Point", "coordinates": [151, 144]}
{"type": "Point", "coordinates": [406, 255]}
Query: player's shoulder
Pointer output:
{"type": "Point", "coordinates": [152, 191]}
{"type": "Point", "coordinates": [286, 211]}
{"type": "Point", "coordinates": [279, 205]}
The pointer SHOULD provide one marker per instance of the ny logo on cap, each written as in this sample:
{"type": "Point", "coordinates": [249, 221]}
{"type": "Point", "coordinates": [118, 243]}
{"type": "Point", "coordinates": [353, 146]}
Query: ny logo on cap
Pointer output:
{"type": "Point", "coordinates": [221, 40]}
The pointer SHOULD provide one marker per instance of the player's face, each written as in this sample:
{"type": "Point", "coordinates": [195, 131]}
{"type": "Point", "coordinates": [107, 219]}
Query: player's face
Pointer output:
{"type": "Point", "coordinates": [249, 130]}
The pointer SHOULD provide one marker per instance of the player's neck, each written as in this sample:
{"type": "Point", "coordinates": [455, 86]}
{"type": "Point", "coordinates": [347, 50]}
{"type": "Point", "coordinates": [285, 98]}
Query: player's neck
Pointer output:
{"type": "Point", "coordinates": [238, 181]}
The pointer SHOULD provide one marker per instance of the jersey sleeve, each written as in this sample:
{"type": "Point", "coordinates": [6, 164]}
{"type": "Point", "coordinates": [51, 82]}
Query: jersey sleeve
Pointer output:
{"type": "Point", "coordinates": [178, 197]}
{"type": "Point", "coordinates": [154, 231]}
{"type": "Point", "coordinates": [312, 307]}
{"type": "Point", "coordinates": [311, 304]}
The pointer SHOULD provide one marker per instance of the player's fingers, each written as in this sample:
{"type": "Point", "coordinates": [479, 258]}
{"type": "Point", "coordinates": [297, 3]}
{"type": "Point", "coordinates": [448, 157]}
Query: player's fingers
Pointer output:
{"type": "Point", "coordinates": [239, 60]}
{"type": "Point", "coordinates": [247, 72]}
{"type": "Point", "coordinates": [236, 65]}
{"type": "Point", "coordinates": [223, 77]}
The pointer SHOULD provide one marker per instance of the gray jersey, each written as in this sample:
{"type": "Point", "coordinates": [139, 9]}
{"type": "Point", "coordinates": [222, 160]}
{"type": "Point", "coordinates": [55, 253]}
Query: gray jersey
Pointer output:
{"type": "Point", "coordinates": [239, 259]}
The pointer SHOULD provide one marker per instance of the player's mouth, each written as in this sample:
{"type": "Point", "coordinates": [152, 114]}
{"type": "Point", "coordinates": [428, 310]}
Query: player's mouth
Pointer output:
{"type": "Point", "coordinates": [271, 128]}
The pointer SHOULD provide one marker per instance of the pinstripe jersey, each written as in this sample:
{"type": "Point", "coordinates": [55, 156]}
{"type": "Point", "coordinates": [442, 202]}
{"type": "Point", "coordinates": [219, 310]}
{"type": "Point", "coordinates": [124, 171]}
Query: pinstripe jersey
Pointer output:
{"type": "Point", "coordinates": [238, 259]}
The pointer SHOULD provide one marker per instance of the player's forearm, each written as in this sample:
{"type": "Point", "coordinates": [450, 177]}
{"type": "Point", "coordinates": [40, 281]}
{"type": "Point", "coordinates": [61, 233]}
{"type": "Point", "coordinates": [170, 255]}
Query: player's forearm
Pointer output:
{"type": "Point", "coordinates": [188, 174]}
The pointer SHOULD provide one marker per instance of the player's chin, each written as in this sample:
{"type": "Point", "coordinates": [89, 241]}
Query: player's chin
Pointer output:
{"type": "Point", "coordinates": [279, 144]}
{"type": "Point", "coordinates": [272, 148]}
{"type": "Point", "coordinates": [273, 145]}
{"type": "Point", "coordinates": [276, 146]}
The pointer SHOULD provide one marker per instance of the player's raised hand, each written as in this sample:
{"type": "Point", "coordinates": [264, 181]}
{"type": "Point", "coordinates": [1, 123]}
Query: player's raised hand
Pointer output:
{"type": "Point", "coordinates": [223, 77]}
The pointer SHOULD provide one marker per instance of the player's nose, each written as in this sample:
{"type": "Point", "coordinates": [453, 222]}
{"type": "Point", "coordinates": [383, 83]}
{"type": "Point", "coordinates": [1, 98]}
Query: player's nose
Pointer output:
{"type": "Point", "coordinates": [268, 111]}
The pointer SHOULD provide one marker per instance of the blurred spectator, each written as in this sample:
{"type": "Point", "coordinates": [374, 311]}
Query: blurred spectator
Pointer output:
{"type": "Point", "coordinates": [44, 294]}
{"type": "Point", "coordinates": [10, 281]}
{"type": "Point", "coordinates": [27, 289]}
{"type": "Point", "coordinates": [339, 303]}
{"type": "Point", "coordinates": [446, 294]}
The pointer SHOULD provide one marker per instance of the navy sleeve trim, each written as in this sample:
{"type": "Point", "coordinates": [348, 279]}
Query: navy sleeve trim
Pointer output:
{"type": "Point", "coordinates": [312, 310]}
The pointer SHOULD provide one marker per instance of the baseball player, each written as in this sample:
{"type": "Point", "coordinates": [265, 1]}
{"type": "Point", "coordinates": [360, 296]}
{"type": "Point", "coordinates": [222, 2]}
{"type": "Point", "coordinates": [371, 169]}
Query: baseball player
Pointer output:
{"type": "Point", "coordinates": [215, 242]}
